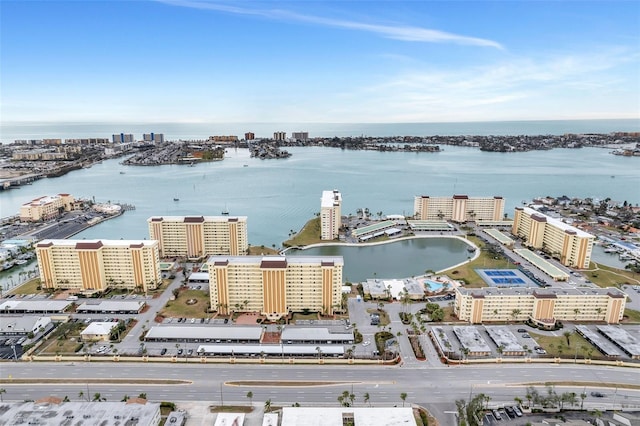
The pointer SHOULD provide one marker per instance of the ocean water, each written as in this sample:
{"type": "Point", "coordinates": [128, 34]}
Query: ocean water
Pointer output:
{"type": "Point", "coordinates": [193, 131]}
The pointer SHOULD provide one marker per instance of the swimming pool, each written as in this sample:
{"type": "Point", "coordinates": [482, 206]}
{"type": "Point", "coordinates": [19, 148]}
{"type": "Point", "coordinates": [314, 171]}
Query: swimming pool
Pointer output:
{"type": "Point", "coordinates": [433, 286]}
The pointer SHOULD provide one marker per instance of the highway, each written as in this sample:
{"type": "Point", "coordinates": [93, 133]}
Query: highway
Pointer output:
{"type": "Point", "coordinates": [435, 387]}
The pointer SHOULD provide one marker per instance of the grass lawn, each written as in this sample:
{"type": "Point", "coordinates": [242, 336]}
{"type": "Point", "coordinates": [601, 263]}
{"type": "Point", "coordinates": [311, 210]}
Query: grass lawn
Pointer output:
{"type": "Point", "coordinates": [30, 287]}
{"type": "Point", "coordinates": [384, 316]}
{"type": "Point", "coordinates": [231, 409]}
{"type": "Point", "coordinates": [552, 344]}
{"type": "Point", "coordinates": [261, 250]}
{"type": "Point", "coordinates": [631, 316]}
{"type": "Point", "coordinates": [70, 333]}
{"type": "Point", "coordinates": [606, 276]}
{"type": "Point", "coordinates": [179, 308]}
{"type": "Point", "coordinates": [484, 261]}
{"type": "Point", "coordinates": [310, 234]}
{"type": "Point", "coordinates": [297, 316]}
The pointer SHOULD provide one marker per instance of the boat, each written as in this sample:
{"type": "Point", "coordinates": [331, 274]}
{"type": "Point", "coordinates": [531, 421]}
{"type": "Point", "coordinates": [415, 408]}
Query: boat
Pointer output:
{"type": "Point", "coordinates": [21, 262]}
{"type": "Point", "coordinates": [121, 173]}
{"type": "Point", "coordinates": [225, 212]}
{"type": "Point", "coordinates": [245, 165]}
{"type": "Point", "coordinates": [176, 199]}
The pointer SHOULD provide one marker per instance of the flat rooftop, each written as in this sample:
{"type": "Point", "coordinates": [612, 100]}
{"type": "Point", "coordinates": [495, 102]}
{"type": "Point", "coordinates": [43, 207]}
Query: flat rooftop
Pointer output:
{"type": "Point", "coordinates": [112, 306]}
{"type": "Point", "coordinates": [194, 332]}
{"type": "Point", "coordinates": [540, 263]}
{"type": "Point", "coordinates": [548, 291]}
{"type": "Point", "coordinates": [502, 336]}
{"type": "Point", "coordinates": [606, 347]}
{"type": "Point", "coordinates": [74, 413]}
{"type": "Point", "coordinates": [333, 416]}
{"type": "Point", "coordinates": [313, 333]}
{"type": "Point", "coordinates": [622, 338]}
{"type": "Point", "coordinates": [499, 236]}
{"type": "Point", "coordinates": [294, 260]}
{"type": "Point", "coordinates": [558, 223]}
{"type": "Point", "coordinates": [274, 350]}
{"type": "Point", "coordinates": [471, 339]}
{"type": "Point", "coordinates": [381, 226]}
{"type": "Point", "coordinates": [330, 198]}
{"type": "Point", "coordinates": [13, 305]}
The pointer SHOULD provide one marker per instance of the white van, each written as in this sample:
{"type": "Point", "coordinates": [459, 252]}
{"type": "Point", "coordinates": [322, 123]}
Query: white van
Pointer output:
{"type": "Point", "coordinates": [72, 298]}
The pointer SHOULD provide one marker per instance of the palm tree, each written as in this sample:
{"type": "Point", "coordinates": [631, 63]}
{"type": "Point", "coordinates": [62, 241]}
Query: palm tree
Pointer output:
{"type": "Point", "coordinates": [81, 395]}
{"type": "Point", "coordinates": [367, 398]}
{"type": "Point", "coordinates": [267, 405]}
{"type": "Point", "coordinates": [2, 390]}
{"type": "Point", "coordinates": [576, 312]}
{"type": "Point", "coordinates": [403, 397]}
{"type": "Point", "coordinates": [515, 313]}
{"type": "Point", "coordinates": [250, 396]}
{"type": "Point", "coordinates": [97, 397]}
{"type": "Point", "coordinates": [567, 335]}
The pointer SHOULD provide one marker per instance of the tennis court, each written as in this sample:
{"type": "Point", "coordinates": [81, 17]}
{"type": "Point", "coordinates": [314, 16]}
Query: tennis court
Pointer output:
{"type": "Point", "coordinates": [505, 278]}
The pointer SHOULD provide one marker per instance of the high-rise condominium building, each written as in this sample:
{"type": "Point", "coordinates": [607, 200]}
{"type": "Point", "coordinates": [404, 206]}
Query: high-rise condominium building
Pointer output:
{"type": "Point", "coordinates": [45, 208]}
{"type": "Point", "coordinates": [300, 136]}
{"type": "Point", "coordinates": [279, 136]}
{"type": "Point", "coordinates": [275, 285]}
{"type": "Point", "coordinates": [153, 137]}
{"type": "Point", "coordinates": [123, 138]}
{"type": "Point", "coordinates": [459, 208]}
{"type": "Point", "coordinates": [199, 236]}
{"type": "Point", "coordinates": [330, 214]}
{"type": "Point", "coordinates": [544, 306]}
{"type": "Point", "coordinates": [96, 265]}
{"type": "Point", "coordinates": [567, 243]}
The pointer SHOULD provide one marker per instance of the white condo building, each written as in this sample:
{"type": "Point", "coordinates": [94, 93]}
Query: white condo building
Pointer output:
{"type": "Point", "coordinates": [330, 214]}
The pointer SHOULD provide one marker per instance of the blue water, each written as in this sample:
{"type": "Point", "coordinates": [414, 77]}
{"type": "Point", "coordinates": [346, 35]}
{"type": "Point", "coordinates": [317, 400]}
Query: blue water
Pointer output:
{"type": "Point", "coordinates": [434, 286]}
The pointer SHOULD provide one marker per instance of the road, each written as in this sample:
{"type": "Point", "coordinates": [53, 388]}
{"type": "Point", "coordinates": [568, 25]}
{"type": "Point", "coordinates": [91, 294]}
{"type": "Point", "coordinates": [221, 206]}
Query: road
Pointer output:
{"type": "Point", "coordinates": [434, 387]}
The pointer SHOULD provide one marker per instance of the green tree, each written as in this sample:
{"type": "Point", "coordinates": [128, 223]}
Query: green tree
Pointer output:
{"type": "Point", "coordinates": [367, 398]}
{"type": "Point", "coordinates": [267, 405]}
{"type": "Point", "coordinates": [250, 396]}
{"type": "Point", "coordinates": [403, 397]}
{"type": "Point", "coordinates": [2, 391]}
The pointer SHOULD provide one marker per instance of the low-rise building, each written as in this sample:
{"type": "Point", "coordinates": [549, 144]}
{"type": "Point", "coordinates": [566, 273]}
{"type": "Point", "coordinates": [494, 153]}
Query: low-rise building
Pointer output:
{"type": "Point", "coordinates": [55, 411]}
{"type": "Point", "coordinates": [23, 325]}
{"type": "Point", "coordinates": [98, 331]}
{"type": "Point", "coordinates": [46, 207]}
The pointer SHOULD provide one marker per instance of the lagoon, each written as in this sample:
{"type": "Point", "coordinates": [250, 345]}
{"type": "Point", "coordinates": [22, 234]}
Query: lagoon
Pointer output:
{"type": "Point", "coordinates": [396, 259]}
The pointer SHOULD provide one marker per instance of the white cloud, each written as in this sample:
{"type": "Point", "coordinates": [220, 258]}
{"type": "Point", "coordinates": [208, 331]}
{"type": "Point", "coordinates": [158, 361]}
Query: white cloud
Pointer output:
{"type": "Point", "coordinates": [396, 32]}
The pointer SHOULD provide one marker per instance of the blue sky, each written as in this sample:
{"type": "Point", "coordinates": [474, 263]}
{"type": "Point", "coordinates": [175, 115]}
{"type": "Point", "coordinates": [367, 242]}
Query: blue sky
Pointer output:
{"type": "Point", "coordinates": [318, 61]}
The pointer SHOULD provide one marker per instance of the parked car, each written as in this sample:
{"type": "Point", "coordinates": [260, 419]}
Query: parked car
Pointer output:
{"type": "Point", "coordinates": [598, 394]}
{"type": "Point", "coordinates": [497, 415]}
{"type": "Point", "coordinates": [180, 351]}
{"type": "Point", "coordinates": [163, 351]}
{"type": "Point", "coordinates": [522, 330]}
{"type": "Point", "coordinates": [510, 412]}
{"type": "Point", "coordinates": [526, 336]}
{"type": "Point", "coordinates": [517, 410]}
